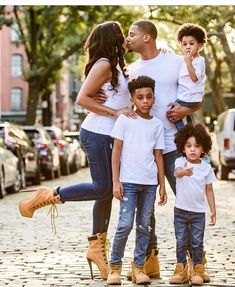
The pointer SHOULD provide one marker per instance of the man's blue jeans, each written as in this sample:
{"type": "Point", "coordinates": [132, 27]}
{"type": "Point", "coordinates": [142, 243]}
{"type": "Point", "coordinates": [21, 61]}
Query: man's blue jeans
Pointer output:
{"type": "Point", "coordinates": [99, 150]}
{"type": "Point", "coordinates": [189, 228]}
{"type": "Point", "coordinates": [140, 198]}
{"type": "Point", "coordinates": [169, 167]}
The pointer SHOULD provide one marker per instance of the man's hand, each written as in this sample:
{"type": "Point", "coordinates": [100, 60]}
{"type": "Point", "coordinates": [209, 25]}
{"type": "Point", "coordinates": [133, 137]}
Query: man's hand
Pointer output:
{"type": "Point", "coordinates": [176, 113]}
{"type": "Point", "coordinates": [117, 190]}
{"type": "Point", "coordinates": [100, 97]}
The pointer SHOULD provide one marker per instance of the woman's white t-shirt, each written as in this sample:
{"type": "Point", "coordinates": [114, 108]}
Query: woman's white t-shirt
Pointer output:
{"type": "Point", "coordinates": [140, 137]}
{"type": "Point", "coordinates": [116, 99]}
{"type": "Point", "coordinates": [190, 190]}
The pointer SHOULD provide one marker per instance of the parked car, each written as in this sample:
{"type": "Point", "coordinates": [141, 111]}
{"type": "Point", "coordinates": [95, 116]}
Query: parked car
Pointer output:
{"type": "Point", "coordinates": [73, 136]}
{"type": "Point", "coordinates": [10, 180]}
{"type": "Point", "coordinates": [17, 141]}
{"type": "Point", "coordinates": [65, 150]}
{"type": "Point", "coordinates": [47, 150]}
{"type": "Point", "coordinates": [223, 153]}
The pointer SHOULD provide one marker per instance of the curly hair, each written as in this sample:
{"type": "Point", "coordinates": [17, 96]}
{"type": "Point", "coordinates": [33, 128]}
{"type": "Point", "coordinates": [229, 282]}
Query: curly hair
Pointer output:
{"type": "Point", "coordinates": [105, 41]}
{"type": "Point", "coordinates": [141, 82]}
{"type": "Point", "coordinates": [194, 30]}
{"type": "Point", "coordinates": [201, 135]}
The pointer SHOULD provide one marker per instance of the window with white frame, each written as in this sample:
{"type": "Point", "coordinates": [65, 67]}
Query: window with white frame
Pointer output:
{"type": "Point", "coordinates": [16, 65]}
{"type": "Point", "coordinates": [16, 99]}
{"type": "Point", "coordinates": [15, 35]}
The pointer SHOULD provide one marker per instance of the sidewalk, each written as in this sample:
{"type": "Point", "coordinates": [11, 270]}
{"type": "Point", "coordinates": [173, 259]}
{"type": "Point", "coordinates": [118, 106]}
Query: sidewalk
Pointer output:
{"type": "Point", "coordinates": [30, 256]}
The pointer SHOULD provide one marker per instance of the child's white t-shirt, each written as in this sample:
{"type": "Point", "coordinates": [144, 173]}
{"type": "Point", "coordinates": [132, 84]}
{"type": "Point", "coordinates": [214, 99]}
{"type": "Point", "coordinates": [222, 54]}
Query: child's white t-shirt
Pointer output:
{"type": "Point", "coordinates": [189, 91]}
{"type": "Point", "coordinates": [140, 137]}
{"type": "Point", "coordinates": [190, 190]}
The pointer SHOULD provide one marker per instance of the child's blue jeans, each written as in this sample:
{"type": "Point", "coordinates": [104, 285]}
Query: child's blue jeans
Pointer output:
{"type": "Point", "coordinates": [139, 198]}
{"type": "Point", "coordinates": [189, 227]}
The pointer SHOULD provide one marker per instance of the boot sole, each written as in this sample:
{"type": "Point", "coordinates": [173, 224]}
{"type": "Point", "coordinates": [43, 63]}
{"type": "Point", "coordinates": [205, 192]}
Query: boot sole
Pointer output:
{"type": "Point", "coordinates": [22, 210]}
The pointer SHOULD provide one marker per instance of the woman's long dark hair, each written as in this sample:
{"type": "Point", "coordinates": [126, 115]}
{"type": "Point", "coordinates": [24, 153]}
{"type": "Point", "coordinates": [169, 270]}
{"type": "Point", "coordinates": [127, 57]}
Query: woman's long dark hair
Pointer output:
{"type": "Point", "coordinates": [105, 41]}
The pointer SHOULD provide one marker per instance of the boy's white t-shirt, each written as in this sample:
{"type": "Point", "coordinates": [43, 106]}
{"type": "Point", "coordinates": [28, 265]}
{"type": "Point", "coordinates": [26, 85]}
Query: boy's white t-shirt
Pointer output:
{"type": "Point", "coordinates": [140, 137]}
{"type": "Point", "coordinates": [164, 69]}
{"type": "Point", "coordinates": [189, 91]}
{"type": "Point", "coordinates": [190, 190]}
{"type": "Point", "coordinates": [116, 99]}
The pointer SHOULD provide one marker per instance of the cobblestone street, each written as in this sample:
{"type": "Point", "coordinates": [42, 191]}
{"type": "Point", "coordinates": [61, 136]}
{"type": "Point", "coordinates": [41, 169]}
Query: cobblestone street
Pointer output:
{"type": "Point", "coordinates": [31, 256]}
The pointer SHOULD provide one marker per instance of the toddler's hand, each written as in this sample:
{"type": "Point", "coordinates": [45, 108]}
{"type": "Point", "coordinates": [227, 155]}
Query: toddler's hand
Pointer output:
{"type": "Point", "coordinates": [188, 171]}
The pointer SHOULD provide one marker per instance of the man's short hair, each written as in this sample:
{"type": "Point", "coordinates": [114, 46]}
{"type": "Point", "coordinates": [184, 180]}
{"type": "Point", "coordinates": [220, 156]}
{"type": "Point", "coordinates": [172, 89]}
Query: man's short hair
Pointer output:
{"type": "Point", "coordinates": [147, 27]}
{"type": "Point", "coordinates": [141, 82]}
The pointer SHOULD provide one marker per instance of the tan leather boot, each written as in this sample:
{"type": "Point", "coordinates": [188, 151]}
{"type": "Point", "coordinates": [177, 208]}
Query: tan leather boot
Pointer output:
{"type": "Point", "coordinates": [43, 196]}
{"type": "Point", "coordinates": [96, 253]}
{"type": "Point", "coordinates": [206, 277]}
{"type": "Point", "coordinates": [114, 276]}
{"type": "Point", "coordinates": [197, 275]}
{"type": "Point", "coordinates": [181, 274]}
{"type": "Point", "coordinates": [138, 275]}
{"type": "Point", "coordinates": [151, 266]}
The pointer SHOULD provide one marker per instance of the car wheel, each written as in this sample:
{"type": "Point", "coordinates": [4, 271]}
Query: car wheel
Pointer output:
{"type": "Point", "coordinates": [17, 184]}
{"type": "Point", "coordinates": [22, 175]}
{"type": "Point", "coordinates": [2, 186]}
{"type": "Point", "coordinates": [50, 174]}
{"type": "Point", "coordinates": [65, 170]}
{"type": "Point", "coordinates": [223, 172]}
{"type": "Point", "coordinates": [58, 172]}
{"type": "Point", "coordinates": [37, 178]}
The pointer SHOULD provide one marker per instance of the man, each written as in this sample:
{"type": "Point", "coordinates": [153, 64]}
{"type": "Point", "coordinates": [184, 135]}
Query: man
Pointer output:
{"type": "Point", "coordinates": [164, 68]}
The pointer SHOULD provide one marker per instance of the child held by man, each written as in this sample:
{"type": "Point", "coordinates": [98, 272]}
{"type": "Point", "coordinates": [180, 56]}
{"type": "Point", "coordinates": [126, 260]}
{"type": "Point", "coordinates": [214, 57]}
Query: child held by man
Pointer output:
{"type": "Point", "coordinates": [191, 82]}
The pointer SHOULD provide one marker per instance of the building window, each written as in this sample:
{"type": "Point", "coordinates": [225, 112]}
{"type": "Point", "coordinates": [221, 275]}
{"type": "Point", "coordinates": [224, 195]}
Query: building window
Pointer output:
{"type": "Point", "coordinates": [16, 65]}
{"type": "Point", "coordinates": [15, 35]}
{"type": "Point", "coordinates": [16, 99]}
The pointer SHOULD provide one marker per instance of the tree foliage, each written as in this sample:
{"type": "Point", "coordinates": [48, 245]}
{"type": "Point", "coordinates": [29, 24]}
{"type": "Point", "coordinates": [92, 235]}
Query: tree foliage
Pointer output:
{"type": "Point", "coordinates": [50, 35]}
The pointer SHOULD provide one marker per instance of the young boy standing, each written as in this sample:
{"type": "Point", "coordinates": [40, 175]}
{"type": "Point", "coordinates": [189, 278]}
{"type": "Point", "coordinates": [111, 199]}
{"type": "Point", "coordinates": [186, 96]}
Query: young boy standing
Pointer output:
{"type": "Point", "coordinates": [194, 178]}
{"type": "Point", "coordinates": [137, 166]}
{"type": "Point", "coordinates": [191, 83]}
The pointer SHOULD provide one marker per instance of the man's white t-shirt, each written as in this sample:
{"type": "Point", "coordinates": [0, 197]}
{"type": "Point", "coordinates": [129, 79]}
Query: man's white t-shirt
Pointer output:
{"type": "Point", "coordinates": [189, 91]}
{"type": "Point", "coordinates": [190, 190]}
{"type": "Point", "coordinates": [164, 69]}
{"type": "Point", "coordinates": [116, 99]}
{"type": "Point", "coordinates": [140, 137]}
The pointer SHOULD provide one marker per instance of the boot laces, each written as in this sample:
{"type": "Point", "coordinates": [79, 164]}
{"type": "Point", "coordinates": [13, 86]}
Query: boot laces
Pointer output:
{"type": "Point", "coordinates": [107, 245]}
{"type": "Point", "coordinates": [53, 212]}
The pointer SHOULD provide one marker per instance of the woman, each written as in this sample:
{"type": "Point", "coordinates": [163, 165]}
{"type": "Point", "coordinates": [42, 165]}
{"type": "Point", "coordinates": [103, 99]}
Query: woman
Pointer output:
{"type": "Point", "coordinates": [105, 69]}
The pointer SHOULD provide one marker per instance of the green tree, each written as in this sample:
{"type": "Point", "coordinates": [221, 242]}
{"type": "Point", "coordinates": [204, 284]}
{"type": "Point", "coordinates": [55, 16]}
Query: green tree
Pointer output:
{"type": "Point", "coordinates": [51, 34]}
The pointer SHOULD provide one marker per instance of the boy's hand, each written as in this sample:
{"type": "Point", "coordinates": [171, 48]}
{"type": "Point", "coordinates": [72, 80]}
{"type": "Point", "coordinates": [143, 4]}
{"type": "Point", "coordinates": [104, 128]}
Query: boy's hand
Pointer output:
{"type": "Point", "coordinates": [188, 171]}
{"type": "Point", "coordinates": [118, 190]}
{"type": "Point", "coordinates": [213, 219]}
{"type": "Point", "coordinates": [163, 197]}
{"type": "Point", "coordinates": [188, 58]}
